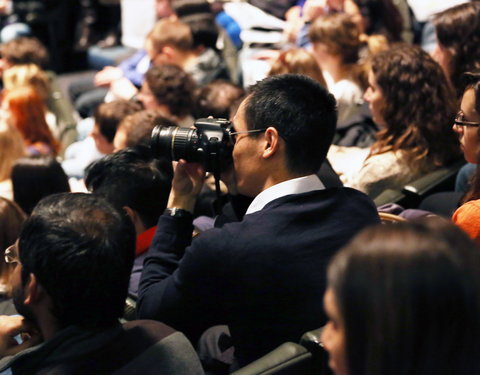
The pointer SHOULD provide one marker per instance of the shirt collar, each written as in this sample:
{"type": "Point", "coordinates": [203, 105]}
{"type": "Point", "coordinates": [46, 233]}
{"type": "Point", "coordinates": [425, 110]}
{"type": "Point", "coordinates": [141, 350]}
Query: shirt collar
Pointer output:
{"type": "Point", "coordinates": [294, 186]}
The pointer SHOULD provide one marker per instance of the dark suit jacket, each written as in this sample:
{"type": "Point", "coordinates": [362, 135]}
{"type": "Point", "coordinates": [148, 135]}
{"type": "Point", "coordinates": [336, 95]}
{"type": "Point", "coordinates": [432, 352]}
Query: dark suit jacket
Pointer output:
{"type": "Point", "coordinates": [264, 276]}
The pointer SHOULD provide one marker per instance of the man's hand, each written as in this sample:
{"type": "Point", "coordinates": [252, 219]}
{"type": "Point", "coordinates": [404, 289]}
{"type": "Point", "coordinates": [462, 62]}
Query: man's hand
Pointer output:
{"type": "Point", "coordinates": [11, 326]}
{"type": "Point", "coordinates": [186, 185]}
{"type": "Point", "coordinates": [107, 75]}
{"type": "Point", "coordinates": [228, 178]}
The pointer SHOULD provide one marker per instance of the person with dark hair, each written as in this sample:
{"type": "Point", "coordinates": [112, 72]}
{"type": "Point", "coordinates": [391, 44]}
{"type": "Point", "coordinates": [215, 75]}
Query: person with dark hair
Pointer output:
{"type": "Point", "coordinates": [404, 299]}
{"type": "Point", "coordinates": [36, 177]}
{"type": "Point", "coordinates": [262, 276]}
{"type": "Point", "coordinates": [458, 42]}
{"type": "Point", "coordinates": [466, 125]}
{"type": "Point", "coordinates": [132, 180]}
{"type": "Point", "coordinates": [23, 50]}
{"type": "Point", "coordinates": [216, 99]}
{"type": "Point", "coordinates": [11, 220]}
{"type": "Point", "coordinates": [413, 105]}
{"type": "Point", "coordinates": [107, 117]}
{"type": "Point", "coordinates": [136, 129]}
{"type": "Point", "coordinates": [169, 89]}
{"type": "Point", "coordinates": [73, 261]}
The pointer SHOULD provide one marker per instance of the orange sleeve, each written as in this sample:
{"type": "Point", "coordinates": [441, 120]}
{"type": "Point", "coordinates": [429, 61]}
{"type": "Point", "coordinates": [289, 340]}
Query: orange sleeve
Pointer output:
{"type": "Point", "coordinates": [467, 217]}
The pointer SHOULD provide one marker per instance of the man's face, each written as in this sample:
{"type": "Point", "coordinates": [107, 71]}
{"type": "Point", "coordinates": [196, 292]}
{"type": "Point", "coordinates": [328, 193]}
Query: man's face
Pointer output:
{"type": "Point", "coordinates": [246, 156]}
{"type": "Point", "coordinates": [18, 291]}
{"type": "Point", "coordinates": [146, 97]}
{"type": "Point", "coordinates": [102, 143]}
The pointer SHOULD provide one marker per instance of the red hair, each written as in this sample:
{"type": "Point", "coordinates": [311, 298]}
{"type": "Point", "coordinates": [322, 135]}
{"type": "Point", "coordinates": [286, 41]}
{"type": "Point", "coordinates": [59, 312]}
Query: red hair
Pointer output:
{"type": "Point", "coordinates": [27, 113]}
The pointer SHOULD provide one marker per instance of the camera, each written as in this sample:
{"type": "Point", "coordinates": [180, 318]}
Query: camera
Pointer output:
{"type": "Point", "coordinates": [208, 143]}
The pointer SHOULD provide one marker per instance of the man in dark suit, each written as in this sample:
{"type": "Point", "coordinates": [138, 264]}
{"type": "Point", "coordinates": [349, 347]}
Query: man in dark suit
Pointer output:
{"type": "Point", "coordinates": [263, 276]}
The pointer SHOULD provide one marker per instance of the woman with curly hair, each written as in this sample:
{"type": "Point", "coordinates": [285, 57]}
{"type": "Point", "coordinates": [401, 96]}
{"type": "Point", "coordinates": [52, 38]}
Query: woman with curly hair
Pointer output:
{"type": "Point", "coordinates": [458, 41]}
{"type": "Point", "coordinates": [413, 105]}
{"type": "Point", "coordinates": [24, 109]}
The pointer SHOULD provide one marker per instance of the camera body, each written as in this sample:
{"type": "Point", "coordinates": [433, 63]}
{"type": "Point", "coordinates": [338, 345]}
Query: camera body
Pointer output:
{"type": "Point", "coordinates": [208, 143]}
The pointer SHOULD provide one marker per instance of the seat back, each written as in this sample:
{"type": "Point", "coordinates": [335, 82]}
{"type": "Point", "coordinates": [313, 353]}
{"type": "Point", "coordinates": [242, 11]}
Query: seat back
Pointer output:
{"type": "Point", "coordinates": [288, 359]}
{"type": "Point", "coordinates": [63, 111]}
{"type": "Point", "coordinates": [311, 341]}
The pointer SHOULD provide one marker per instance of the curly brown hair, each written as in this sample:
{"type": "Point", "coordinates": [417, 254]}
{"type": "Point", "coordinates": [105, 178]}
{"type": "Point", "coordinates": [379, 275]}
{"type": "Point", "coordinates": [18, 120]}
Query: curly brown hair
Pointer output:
{"type": "Point", "coordinates": [458, 30]}
{"type": "Point", "coordinates": [419, 107]}
{"type": "Point", "coordinates": [173, 87]}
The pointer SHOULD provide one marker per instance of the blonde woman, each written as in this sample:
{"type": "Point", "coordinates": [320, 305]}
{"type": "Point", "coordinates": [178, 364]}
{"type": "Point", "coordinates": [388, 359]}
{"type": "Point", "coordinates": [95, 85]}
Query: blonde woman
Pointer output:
{"type": "Point", "coordinates": [11, 149]}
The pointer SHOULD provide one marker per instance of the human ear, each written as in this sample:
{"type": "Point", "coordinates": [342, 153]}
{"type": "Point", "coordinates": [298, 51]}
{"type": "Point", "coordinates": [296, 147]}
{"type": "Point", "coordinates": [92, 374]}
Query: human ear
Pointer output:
{"type": "Point", "coordinates": [33, 290]}
{"type": "Point", "coordinates": [271, 142]}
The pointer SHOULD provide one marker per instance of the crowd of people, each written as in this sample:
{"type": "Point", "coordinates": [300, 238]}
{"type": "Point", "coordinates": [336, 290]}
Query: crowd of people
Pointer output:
{"type": "Point", "coordinates": [235, 239]}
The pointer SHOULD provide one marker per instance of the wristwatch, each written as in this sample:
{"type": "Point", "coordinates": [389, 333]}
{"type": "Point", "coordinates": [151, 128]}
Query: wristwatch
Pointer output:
{"type": "Point", "coordinates": [178, 212]}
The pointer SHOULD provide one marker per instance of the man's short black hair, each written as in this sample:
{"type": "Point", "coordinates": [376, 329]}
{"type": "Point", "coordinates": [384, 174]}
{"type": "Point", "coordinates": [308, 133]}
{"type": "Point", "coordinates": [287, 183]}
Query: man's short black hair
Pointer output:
{"type": "Point", "coordinates": [81, 250]}
{"type": "Point", "coordinates": [303, 112]}
{"type": "Point", "coordinates": [132, 177]}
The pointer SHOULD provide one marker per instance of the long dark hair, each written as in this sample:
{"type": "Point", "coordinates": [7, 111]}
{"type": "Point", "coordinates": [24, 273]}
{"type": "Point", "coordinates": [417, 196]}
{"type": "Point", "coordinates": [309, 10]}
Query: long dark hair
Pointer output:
{"type": "Point", "coordinates": [458, 30]}
{"type": "Point", "coordinates": [36, 177]}
{"type": "Point", "coordinates": [471, 80]}
{"type": "Point", "coordinates": [419, 107]}
{"type": "Point", "coordinates": [409, 297]}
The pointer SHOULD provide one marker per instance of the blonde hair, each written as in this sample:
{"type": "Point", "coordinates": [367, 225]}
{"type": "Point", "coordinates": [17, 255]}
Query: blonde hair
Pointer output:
{"type": "Point", "coordinates": [297, 61]}
{"type": "Point", "coordinates": [11, 149]}
{"type": "Point", "coordinates": [27, 75]}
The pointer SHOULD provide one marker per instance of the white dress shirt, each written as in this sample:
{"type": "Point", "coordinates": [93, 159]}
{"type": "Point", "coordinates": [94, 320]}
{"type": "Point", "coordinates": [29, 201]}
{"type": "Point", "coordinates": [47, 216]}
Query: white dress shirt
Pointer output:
{"type": "Point", "coordinates": [294, 186]}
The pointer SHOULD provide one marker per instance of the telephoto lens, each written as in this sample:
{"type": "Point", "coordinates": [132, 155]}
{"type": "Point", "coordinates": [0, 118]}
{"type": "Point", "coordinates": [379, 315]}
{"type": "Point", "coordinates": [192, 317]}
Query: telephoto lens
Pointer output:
{"type": "Point", "coordinates": [208, 143]}
{"type": "Point", "coordinates": [175, 143]}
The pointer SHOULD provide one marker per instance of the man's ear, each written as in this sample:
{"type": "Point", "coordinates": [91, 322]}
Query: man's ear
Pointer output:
{"type": "Point", "coordinates": [272, 142]}
{"type": "Point", "coordinates": [131, 213]}
{"type": "Point", "coordinates": [169, 52]}
{"type": "Point", "coordinates": [34, 291]}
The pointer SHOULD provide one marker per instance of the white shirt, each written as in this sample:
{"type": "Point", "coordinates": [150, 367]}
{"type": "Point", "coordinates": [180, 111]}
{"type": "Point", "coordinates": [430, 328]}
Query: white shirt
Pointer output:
{"type": "Point", "coordinates": [294, 186]}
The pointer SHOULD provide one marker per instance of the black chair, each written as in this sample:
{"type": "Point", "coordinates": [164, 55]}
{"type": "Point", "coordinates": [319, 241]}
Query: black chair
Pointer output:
{"type": "Point", "coordinates": [442, 179]}
{"type": "Point", "coordinates": [311, 341]}
{"type": "Point", "coordinates": [288, 359]}
{"type": "Point", "coordinates": [410, 196]}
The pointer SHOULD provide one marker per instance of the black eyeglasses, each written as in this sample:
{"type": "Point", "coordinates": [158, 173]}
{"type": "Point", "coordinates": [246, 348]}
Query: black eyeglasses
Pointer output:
{"type": "Point", "coordinates": [460, 120]}
{"type": "Point", "coordinates": [233, 135]}
{"type": "Point", "coordinates": [11, 254]}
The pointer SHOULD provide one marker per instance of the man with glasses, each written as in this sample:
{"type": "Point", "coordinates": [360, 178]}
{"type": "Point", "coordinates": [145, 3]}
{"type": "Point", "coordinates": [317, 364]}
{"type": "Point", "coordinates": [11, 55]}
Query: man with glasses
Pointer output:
{"type": "Point", "coordinates": [263, 276]}
{"type": "Point", "coordinates": [73, 262]}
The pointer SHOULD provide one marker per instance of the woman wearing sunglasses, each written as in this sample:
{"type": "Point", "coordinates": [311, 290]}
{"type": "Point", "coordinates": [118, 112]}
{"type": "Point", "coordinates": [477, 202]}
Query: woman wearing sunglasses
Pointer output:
{"type": "Point", "coordinates": [467, 126]}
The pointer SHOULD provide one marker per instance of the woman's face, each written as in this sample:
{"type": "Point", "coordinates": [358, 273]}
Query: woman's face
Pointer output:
{"type": "Point", "coordinates": [333, 335]}
{"type": "Point", "coordinates": [469, 135]}
{"type": "Point", "coordinates": [443, 57]}
{"type": "Point", "coordinates": [375, 99]}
